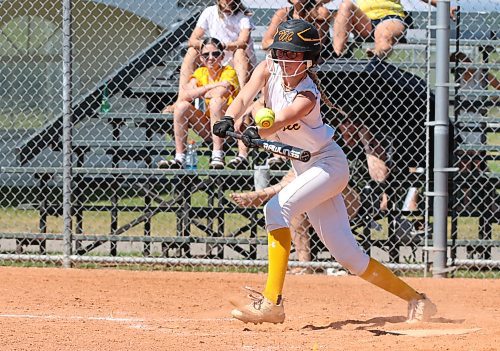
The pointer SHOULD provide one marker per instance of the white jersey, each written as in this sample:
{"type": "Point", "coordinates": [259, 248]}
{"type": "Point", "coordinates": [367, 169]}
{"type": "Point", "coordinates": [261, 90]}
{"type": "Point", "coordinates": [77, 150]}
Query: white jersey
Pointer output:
{"type": "Point", "coordinates": [309, 132]}
{"type": "Point", "coordinates": [226, 29]}
{"type": "Point", "coordinates": [317, 188]}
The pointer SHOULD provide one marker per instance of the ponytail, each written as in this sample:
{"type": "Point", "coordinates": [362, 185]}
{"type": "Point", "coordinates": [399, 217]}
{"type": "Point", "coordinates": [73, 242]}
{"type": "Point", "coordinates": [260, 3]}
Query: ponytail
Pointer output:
{"type": "Point", "coordinates": [316, 81]}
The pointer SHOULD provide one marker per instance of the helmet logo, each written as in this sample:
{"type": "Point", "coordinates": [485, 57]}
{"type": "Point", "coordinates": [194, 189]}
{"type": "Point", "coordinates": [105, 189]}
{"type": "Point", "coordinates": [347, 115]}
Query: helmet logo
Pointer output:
{"type": "Point", "coordinates": [300, 35]}
{"type": "Point", "coordinates": [285, 35]}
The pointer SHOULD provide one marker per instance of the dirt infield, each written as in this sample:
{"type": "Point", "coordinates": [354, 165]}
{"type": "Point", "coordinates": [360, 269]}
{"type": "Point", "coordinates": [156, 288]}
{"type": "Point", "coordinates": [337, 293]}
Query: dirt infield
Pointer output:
{"type": "Point", "coordinates": [58, 309]}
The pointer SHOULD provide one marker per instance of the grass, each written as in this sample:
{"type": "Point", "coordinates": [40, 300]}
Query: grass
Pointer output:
{"type": "Point", "coordinates": [22, 119]}
{"type": "Point", "coordinates": [460, 273]}
{"type": "Point", "coordinates": [164, 224]}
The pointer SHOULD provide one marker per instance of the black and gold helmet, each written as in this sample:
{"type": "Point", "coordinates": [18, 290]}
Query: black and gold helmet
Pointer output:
{"type": "Point", "coordinates": [299, 36]}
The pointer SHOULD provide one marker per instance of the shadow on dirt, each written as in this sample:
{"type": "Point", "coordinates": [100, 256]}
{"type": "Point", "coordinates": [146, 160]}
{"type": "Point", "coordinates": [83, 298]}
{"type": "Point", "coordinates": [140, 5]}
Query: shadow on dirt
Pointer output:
{"type": "Point", "coordinates": [369, 324]}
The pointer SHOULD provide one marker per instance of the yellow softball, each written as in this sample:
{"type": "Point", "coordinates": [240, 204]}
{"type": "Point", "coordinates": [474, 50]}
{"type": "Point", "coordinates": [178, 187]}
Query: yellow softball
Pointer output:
{"type": "Point", "coordinates": [264, 118]}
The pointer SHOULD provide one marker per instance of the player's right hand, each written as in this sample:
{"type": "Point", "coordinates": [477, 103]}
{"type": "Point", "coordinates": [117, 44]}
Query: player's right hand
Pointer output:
{"type": "Point", "coordinates": [226, 124]}
{"type": "Point", "coordinates": [249, 135]}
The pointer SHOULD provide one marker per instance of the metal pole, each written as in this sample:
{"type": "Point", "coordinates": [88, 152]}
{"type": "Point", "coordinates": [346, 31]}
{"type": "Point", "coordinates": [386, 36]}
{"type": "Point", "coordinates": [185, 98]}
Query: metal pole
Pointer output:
{"type": "Point", "coordinates": [67, 130]}
{"type": "Point", "coordinates": [428, 53]}
{"type": "Point", "coordinates": [441, 168]}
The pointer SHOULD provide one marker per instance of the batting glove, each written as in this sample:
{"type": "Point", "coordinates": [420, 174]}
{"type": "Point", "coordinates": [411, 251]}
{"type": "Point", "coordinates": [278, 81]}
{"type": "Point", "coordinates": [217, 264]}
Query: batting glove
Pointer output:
{"type": "Point", "coordinates": [249, 135]}
{"type": "Point", "coordinates": [226, 124]}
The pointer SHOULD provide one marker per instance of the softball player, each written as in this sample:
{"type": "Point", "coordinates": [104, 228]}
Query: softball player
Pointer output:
{"type": "Point", "coordinates": [291, 90]}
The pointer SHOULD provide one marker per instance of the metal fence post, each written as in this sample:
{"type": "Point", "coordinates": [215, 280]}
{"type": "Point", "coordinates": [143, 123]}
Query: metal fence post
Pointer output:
{"type": "Point", "coordinates": [67, 130]}
{"type": "Point", "coordinates": [441, 132]}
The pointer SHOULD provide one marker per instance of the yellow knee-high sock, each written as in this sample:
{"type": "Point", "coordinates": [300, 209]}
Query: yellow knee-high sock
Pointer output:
{"type": "Point", "coordinates": [278, 243]}
{"type": "Point", "coordinates": [381, 276]}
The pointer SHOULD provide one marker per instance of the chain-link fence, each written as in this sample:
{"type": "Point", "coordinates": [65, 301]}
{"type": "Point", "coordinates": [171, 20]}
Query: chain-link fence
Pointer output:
{"type": "Point", "coordinates": [149, 184]}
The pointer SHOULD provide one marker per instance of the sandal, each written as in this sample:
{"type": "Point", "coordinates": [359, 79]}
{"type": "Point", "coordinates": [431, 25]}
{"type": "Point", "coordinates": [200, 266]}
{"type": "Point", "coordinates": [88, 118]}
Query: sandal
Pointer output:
{"type": "Point", "coordinates": [217, 163]}
{"type": "Point", "coordinates": [238, 162]}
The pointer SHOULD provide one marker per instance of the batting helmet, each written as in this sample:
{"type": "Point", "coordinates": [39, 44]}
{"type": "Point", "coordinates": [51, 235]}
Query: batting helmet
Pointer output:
{"type": "Point", "coordinates": [299, 36]}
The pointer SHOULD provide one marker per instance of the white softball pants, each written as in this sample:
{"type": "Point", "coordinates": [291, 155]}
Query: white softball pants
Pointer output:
{"type": "Point", "coordinates": [317, 191]}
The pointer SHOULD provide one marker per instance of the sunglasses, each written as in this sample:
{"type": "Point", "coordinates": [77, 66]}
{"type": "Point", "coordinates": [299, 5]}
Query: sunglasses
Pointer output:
{"type": "Point", "coordinates": [214, 54]}
{"type": "Point", "coordinates": [284, 54]}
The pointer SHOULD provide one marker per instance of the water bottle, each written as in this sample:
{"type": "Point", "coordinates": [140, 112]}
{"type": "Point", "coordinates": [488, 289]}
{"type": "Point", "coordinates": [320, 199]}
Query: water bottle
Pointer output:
{"type": "Point", "coordinates": [105, 105]}
{"type": "Point", "coordinates": [192, 155]}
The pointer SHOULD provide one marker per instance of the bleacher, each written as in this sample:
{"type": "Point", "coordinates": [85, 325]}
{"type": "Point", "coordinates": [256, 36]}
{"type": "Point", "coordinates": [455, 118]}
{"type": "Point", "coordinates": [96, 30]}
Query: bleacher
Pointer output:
{"type": "Point", "coordinates": [151, 77]}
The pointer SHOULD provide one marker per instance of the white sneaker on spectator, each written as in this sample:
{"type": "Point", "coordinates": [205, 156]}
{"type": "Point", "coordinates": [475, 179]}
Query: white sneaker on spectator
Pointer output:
{"type": "Point", "coordinates": [217, 162]}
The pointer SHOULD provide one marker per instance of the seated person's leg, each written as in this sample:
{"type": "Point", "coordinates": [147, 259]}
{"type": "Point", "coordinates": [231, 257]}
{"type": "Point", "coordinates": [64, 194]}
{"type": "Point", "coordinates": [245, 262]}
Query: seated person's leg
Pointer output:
{"type": "Point", "coordinates": [352, 201]}
{"type": "Point", "coordinates": [387, 33]}
{"type": "Point", "coordinates": [375, 155]}
{"type": "Point", "coordinates": [299, 226]}
{"type": "Point", "coordinates": [242, 66]}
{"type": "Point", "coordinates": [185, 114]}
{"type": "Point", "coordinates": [349, 18]}
{"type": "Point", "coordinates": [241, 161]}
{"type": "Point", "coordinates": [189, 63]}
{"type": "Point", "coordinates": [376, 158]}
{"type": "Point", "coordinates": [217, 107]}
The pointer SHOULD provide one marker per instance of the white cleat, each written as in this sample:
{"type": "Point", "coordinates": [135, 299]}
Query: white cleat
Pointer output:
{"type": "Point", "coordinates": [421, 310]}
{"type": "Point", "coordinates": [260, 310]}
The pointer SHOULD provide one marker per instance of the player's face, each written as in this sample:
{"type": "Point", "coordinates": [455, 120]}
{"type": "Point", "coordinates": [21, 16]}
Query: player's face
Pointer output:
{"type": "Point", "coordinates": [211, 56]}
{"type": "Point", "coordinates": [291, 63]}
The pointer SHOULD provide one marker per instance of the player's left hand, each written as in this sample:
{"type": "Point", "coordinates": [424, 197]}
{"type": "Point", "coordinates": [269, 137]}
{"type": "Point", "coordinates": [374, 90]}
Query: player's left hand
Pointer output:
{"type": "Point", "coordinates": [226, 124]}
{"type": "Point", "coordinates": [249, 135]}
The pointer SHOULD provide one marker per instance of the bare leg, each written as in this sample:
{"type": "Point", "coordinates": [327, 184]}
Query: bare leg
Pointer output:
{"type": "Point", "coordinates": [217, 108]}
{"type": "Point", "coordinates": [188, 66]}
{"type": "Point", "coordinates": [352, 201]}
{"type": "Point", "coordinates": [242, 149]}
{"type": "Point", "coordinates": [300, 237]}
{"type": "Point", "coordinates": [247, 120]}
{"type": "Point", "coordinates": [387, 34]}
{"type": "Point", "coordinates": [242, 66]}
{"type": "Point", "coordinates": [183, 114]}
{"type": "Point", "coordinates": [349, 18]}
{"type": "Point", "coordinates": [375, 156]}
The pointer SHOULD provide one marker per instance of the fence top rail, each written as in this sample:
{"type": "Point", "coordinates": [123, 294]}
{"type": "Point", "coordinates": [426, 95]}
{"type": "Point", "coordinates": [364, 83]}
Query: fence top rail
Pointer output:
{"type": "Point", "coordinates": [134, 171]}
{"type": "Point", "coordinates": [136, 116]}
{"type": "Point", "coordinates": [478, 93]}
{"type": "Point", "coordinates": [478, 118]}
{"type": "Point", "coordinates": [462, 42]}
{"type": "Point", "coordinates": [123, 144]}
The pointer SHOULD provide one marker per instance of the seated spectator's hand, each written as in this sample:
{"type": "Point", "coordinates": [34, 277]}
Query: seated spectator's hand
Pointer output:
{"type": "Point", "coordinates": [248, 199]}
{"type": "Point", "coordinates": [249, 135]}
{"type": "Point", "coordinates": [453, 13]}
{"type": "Point", "coordinates": [377, 168]}
{"type": "Point", "coordinates": [225, 84]}
{"type": "Point", "coordinates": [226, 124]}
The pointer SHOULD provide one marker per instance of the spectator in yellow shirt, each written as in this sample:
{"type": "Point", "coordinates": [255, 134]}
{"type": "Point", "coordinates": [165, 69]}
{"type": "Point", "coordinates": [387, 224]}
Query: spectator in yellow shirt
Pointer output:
{"type": "Point", "coordinates": [217, 85]}
{"type": "Point", "coordinates": [383, 20]}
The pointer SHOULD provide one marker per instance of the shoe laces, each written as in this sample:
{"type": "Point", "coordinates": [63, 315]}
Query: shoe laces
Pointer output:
{"type": "Point", "coordinates": [256, 297]}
